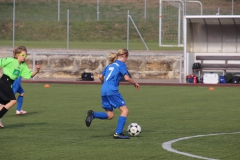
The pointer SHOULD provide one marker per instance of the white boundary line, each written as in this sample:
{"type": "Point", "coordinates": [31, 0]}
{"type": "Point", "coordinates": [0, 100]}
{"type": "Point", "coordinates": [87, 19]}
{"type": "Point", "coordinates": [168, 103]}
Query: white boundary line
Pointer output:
{"type": "Point", "coordinates": [168, 145]}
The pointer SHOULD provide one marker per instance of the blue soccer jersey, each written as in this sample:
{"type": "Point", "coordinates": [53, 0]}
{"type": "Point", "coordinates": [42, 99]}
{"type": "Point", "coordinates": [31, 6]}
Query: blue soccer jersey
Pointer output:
{"type": "Point", "coordinates": [113, 73]}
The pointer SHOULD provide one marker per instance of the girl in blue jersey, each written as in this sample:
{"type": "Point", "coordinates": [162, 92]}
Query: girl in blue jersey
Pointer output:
{"type": "Point", "coordinates": [12, 69]}
{"type": "Point", "coordinates": [111, 98]}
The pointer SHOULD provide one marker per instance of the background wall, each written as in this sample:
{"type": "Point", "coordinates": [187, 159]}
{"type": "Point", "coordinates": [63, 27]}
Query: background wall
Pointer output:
{"type": "Point", "coordinates": [71, 64]}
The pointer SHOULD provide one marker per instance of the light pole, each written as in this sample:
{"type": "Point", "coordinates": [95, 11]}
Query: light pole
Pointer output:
{"type": "Point", "coordinates": [14, 6]}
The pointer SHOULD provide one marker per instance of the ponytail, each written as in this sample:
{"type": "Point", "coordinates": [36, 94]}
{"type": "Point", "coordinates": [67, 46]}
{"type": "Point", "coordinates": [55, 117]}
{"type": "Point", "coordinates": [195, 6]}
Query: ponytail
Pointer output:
{"type": "Point", "coordinates": [113, 56]}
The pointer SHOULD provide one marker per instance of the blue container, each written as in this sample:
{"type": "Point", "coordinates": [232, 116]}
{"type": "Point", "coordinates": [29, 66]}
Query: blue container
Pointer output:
{"type": "Point", "coordinates": [222, 80]}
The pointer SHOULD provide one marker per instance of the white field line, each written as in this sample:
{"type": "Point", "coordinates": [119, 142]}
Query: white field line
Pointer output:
{"type": "Point", "coordinates": [168, 145]}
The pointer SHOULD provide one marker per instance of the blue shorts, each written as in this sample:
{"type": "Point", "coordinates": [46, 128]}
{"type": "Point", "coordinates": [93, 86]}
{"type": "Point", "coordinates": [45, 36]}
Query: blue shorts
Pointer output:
{"type": "Point", "coordinates": [16, 86]}
{"type": "Point", "coordinates": [112, 102]}
{"type": "Point", "coordinates": [20, 90]}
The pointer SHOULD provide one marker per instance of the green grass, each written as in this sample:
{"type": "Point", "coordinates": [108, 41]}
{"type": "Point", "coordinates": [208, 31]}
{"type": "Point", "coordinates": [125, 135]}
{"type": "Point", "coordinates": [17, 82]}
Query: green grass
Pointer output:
{"type": "Point", "coordinates": [54, 127]}
{"type": "Point", "coordinates": [38, 22]}
{"type": "Point", "coordinates": [89, 45]}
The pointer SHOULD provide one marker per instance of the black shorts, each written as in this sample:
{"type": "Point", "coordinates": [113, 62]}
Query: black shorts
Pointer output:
{"type": "Point", "coordinates": [6, 92]}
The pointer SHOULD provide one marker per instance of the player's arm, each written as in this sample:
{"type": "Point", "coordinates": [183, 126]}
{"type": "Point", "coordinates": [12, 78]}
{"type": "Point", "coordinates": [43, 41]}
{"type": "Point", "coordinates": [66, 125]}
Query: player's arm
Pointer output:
{"type": "Point", "coordinates": [130, 80]}
{"type": "Point", "coordinates": [36, 71]}
{"type": "Point", "coordinates": [101, 77]}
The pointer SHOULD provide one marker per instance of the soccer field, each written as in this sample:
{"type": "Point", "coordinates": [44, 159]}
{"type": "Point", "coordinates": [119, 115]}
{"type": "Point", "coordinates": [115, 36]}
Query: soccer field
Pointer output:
{"type": "Point", "coordinates": [54, 127]}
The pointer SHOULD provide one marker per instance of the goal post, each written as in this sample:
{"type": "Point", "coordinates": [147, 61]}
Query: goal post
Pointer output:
{"type": "Point", "coordinates": [171, 14]}
{"type": "Point", "coordinates": [130, 17]}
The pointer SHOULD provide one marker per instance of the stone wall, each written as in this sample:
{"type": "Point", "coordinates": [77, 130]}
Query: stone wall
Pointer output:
{"type": "Point", "coordinates": [71, 64]}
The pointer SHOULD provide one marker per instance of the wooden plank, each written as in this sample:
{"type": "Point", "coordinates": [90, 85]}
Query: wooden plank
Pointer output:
{"type": "Point", "coordinates": [226, 66]}
{"type": "Point", "coordinates": [217, 57]}
{"type": "Point", "coordinates": [221, 69]}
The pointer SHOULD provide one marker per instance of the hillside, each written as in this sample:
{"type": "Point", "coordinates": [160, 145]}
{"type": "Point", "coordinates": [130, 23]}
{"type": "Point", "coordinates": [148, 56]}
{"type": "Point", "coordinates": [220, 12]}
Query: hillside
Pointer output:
{"type": "Point", "coordinates": [38, 20]}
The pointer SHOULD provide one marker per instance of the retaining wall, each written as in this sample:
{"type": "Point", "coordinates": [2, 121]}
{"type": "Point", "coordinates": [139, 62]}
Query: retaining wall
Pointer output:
{"type": "Point", "coordinates": [71, 64]}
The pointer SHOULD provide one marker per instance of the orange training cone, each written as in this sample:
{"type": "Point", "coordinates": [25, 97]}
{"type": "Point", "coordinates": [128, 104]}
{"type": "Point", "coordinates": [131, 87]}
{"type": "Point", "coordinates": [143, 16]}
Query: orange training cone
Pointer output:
{"type": "Point", "coordinates": [46, 86]}
{"type": "Point", "coordinates": [211, 88]}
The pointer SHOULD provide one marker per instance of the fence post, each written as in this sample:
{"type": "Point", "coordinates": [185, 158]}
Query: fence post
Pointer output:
{"type": "Point", "coordinates": [58, 10]}
{"type": "Point", "coordinates": [98, 9]}
{"type": "Point", "coordinates": [180, 70]}
{"type": "Point", "coordinates": [14, 6]}
{"type": "Point", "coordinates": [145, 10]}
{"type": "Point", "coordinates": [67, 29]}
{"type": "Point", "coordinates": [128, 30]}
{"type": "Point", "coordinates": [160, 23]}
{"type": "Point", "coordinates": [34, 62]}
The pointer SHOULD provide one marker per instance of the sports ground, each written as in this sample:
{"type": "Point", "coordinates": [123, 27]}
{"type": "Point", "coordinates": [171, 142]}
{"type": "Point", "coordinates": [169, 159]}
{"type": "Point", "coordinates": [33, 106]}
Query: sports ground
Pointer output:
{"type": "Point", "coordinates": [192, 121]}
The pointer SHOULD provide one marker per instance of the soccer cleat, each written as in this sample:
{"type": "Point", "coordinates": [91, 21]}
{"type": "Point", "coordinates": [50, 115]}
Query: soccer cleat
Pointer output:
{"type": "Point", "coordinates": [89, 118]}
{"type": "Point", "coordinates": [1, 125]}
{"type": "Point", "coordinates": [120, 136]}
{"type": "Point", "coordinates": [21, 112]}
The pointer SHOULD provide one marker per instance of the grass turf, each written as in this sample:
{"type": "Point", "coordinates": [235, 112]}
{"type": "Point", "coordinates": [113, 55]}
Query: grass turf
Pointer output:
{"type": "Point", "coordinates": [54, 128]}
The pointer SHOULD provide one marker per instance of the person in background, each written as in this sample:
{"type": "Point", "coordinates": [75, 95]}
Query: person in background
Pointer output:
{"type": "Point", "coordinates": [17, 88]}
{"type": "Point", "coordinates": [12, 69]}
{"type": "Point", "coordinates": [111, 97]}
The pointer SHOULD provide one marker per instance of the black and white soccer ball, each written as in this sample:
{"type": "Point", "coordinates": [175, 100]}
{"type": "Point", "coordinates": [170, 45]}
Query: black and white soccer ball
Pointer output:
{"type": "Point", "coordinates": [134, 129]}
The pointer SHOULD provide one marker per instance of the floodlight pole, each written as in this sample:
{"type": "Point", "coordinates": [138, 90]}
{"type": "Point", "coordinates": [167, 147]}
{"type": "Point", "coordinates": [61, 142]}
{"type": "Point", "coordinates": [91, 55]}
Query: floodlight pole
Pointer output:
{"type": "Point", "coordinates": [160, 23]}
{"type": "Point", "coordinates": [14, 6]}
{"type": "Point", "coordinates": [58, 10]}
{"type": "Point", "coordinates": [98, 9]}
{"type": "Point", "coordinates": [128, 30]}
{"type": "Point", "coordinates": [67, 29]}
{"type": "Point", "coordinates": [145, 10]}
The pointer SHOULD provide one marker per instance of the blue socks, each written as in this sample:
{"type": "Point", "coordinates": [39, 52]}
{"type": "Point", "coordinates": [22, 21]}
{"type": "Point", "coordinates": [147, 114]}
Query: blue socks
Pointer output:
{"type": "Point", "coordinates": [19, 103]}
{"type": "Point", "coordinates": [121, 122]}
{"type": "Point", "coordinates": [100, 115]}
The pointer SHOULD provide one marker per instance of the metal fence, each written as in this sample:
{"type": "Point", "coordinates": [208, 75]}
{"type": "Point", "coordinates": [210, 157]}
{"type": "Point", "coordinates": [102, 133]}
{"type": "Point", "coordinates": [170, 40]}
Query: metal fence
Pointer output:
{"type": "Point", "coordinates": [89, 20]}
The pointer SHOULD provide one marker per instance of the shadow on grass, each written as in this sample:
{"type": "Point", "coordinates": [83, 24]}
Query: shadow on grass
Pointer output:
{"type": "Point", "coordinates": [28, 114]}
{"type": "Point", "coordinates": [23, 125]}
{"type": "Point", "coordinates": [101, 135]}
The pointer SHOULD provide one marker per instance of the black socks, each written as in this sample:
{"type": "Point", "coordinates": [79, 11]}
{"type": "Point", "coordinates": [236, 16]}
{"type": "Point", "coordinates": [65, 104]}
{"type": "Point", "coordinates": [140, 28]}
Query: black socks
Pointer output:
{"type": "Point", "coordinates": [2, 112]}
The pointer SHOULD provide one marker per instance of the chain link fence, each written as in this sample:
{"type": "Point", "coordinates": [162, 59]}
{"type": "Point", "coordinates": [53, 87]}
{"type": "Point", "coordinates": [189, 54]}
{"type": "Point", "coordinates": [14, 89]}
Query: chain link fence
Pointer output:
{"type": "Point", "coordinates": [45, 21]}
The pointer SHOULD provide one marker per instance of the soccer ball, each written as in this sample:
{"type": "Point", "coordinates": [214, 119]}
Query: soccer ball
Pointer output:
{"type": "Point", "coordinates": [134, 129]}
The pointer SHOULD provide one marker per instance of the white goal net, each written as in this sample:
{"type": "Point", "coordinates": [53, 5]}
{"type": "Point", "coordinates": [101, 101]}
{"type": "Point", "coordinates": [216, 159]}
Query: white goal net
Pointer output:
{"type": "Point", "coordinates": [171, 20]}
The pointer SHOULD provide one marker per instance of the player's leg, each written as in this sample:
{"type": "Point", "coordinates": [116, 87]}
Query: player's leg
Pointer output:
{"type": "Point", "coordinates": [104, 115]}
{"type": "Point", "coordinates": [19, 110]}
{"type": "Point", "coordinates": [1, 125]}
{"type": "Point", "coordinates": [16, 84]}
{"type": "Point", "coordinates": [4, 110]}
{"type": "Point", "coordinates": [1, 106]}
{"type": "Point", "coordinates": [100, 115]}
{"type": "Point", "coordinates": [7, 97]}
{"type": "Point", "coordinates": [122, 119]}
{"type": "Point", "coordinates": [118, 102]}
{"type": "Point", "coordinates": [121, 123]}
{"type": "Point", "coordinates": [106, 105]}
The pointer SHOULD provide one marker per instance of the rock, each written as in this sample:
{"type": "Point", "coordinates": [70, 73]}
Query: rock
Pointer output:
{"type": "Point", "coordinates": [71, 64]}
